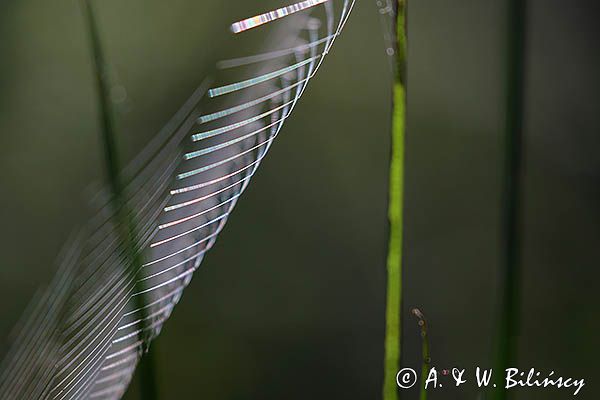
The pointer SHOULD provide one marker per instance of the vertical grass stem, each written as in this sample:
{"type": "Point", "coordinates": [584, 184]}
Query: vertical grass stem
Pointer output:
{"type": "Point", "coordinates": [393, 331]}
{"type": "Point", "coordinates": [426, 357]}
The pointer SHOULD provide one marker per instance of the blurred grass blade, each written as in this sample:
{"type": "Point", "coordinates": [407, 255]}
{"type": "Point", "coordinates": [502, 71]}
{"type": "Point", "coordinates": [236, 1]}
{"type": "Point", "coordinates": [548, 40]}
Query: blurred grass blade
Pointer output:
{"type": "Point", "coordinates": [128, 230]}
{"type": "Point", "coordinates": [509, 302]}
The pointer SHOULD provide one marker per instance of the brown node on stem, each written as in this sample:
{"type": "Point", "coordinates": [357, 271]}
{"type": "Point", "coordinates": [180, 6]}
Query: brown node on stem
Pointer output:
{"type": "Point", "coordinates": [422, 321]}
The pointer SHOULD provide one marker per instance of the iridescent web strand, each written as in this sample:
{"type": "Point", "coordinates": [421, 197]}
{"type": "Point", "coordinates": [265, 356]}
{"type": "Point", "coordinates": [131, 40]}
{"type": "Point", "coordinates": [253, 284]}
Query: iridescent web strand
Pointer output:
{"type": "Point", "coordinates": [265, 18]}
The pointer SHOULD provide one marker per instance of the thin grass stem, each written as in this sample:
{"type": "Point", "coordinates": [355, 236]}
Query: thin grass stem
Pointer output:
{"type": "Point", "coordinates": [426, 358]}
{"type": "Point", "coordinates": [393, 332]}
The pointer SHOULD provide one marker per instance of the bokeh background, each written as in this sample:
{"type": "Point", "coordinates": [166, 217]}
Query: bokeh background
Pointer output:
{"type": "Point", "coordinates": [290, 302]}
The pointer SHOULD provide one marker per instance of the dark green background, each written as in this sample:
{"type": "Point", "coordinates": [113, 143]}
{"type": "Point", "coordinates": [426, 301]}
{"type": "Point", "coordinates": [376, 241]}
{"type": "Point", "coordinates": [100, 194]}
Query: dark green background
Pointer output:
{"type": "Point", "coordinates": [290, 302]}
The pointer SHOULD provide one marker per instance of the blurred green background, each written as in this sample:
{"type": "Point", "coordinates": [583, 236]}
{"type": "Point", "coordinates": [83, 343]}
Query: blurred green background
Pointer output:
{"type": "Point", "coordinates": [290, 302]}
